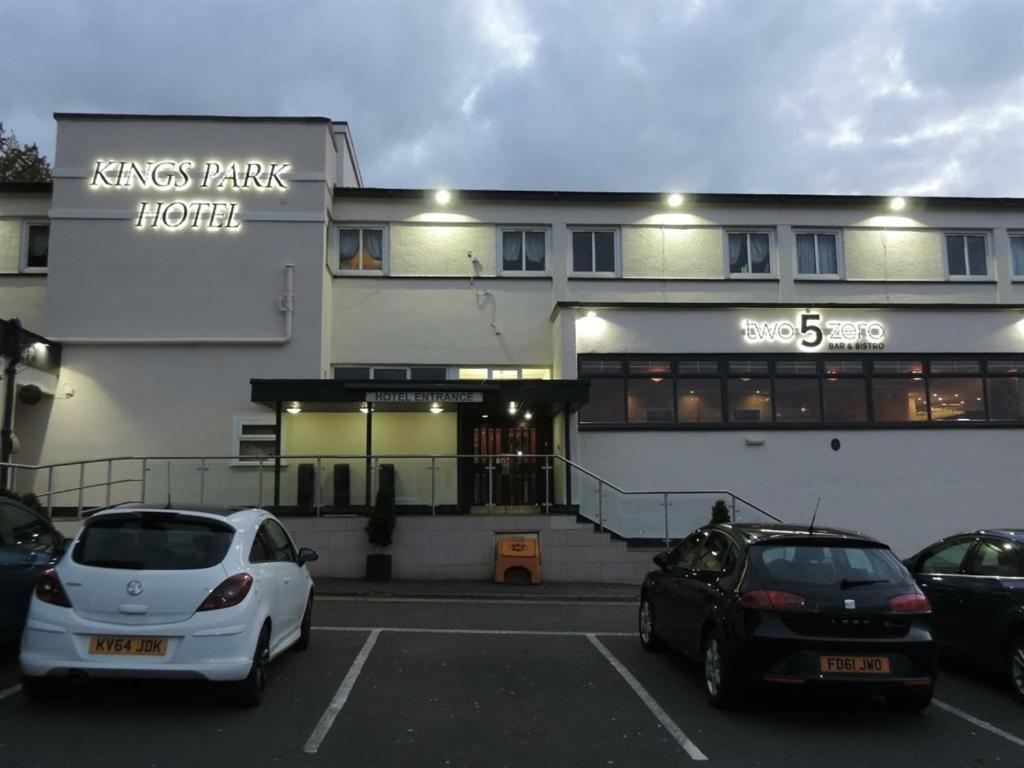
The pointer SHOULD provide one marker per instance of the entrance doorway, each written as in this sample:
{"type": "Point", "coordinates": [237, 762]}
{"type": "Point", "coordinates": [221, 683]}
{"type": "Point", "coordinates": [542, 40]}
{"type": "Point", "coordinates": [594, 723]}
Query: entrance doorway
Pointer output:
{"type": "Point", "coordinates": [512, 483]}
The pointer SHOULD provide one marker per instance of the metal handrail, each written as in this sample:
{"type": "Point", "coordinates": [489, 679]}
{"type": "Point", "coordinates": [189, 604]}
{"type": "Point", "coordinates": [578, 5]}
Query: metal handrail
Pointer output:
{"type": "Point", "coordinates": [269, 462]}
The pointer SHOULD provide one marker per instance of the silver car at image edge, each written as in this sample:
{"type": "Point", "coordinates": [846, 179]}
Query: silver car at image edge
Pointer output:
{"type": "Point", "coordinates": [189, 593]}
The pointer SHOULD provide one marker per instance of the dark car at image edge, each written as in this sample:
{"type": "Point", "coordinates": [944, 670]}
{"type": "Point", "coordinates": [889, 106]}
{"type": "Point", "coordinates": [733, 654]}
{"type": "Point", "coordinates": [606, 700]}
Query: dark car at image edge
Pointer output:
{"type": "Point", "coordinates": [789, 605]}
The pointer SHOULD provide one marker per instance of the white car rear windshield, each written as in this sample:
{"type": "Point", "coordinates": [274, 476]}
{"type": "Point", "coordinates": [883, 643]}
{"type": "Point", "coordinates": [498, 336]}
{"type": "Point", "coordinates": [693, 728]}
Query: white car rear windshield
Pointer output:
{"type": "Point", "coordinates": [842, 566]}
{"type": "Point", "coordinates": [155, 542]}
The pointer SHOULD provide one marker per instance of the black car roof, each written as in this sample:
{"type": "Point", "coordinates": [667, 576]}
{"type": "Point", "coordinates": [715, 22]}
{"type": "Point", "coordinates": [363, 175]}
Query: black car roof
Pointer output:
{"type": "Point", "coordinates": [753, 532]}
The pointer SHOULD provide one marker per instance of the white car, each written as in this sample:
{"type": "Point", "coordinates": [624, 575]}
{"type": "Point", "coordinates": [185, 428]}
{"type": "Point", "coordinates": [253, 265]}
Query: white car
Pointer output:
{"type": "Point", "coordinates": [170, 593]}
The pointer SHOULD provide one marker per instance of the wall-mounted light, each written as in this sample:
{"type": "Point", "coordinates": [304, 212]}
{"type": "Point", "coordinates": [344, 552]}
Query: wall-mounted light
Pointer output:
{"type": "Point", "coordinates": [674, 200]}
{"type": "Point", "coordinates": [436, 408]}
{"type": "Point", "coordinates": [294, 408]}
{"type": "Point", "coordinates": [897, 204]}
{"type": "Point", "coordinates": [40, 347]}
{"type": "Point", "coordinates": [442, 197]}
{"type": "Point", "coordinates": [364, 408]}
{"type": "Point", "coordinates": [527, 415]}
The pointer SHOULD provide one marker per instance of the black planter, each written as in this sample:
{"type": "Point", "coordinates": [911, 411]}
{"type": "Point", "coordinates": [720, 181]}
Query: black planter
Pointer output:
{"type": "Point", "coordinates": [378, 567]}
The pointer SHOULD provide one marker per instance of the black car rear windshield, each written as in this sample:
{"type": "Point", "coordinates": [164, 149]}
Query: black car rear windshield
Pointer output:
{"type": "Point", "coordinates": [157, 542]}
{"type": "Point", "coordinates": [812, 563]}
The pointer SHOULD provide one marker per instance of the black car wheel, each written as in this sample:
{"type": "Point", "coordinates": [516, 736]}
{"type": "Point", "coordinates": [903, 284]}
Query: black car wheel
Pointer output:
{"type": "Point", "coordinates": [1017, 665]}
{"type": "Point", "coordinates": [912, 699]}
{"type": "Point", "coordinates": [645, 620]}
{"type": "Point", "coordinates": [719, 676]}
{"type": "Point", "coordinates": [307, 622]}
{"type": "Point", "coordinates": [249, 692]}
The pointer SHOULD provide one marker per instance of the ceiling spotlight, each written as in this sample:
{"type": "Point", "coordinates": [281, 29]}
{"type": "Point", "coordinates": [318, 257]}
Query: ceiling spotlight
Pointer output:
{"type": "Point", "coordinates": [294, 408]}
{"type": "Point", "coordinates": [897, 204]}
{"type": "Point", "coordinates": [364, 408]}
{"type": "Point", "coordinates": [436, 408]}
{"type": "Point", "coordinates": [591, 314]}
{"type": "Point", "coordinates": [442, 197]}
{"type": "Point", "coordinates": [513, 408]}
{"type": "Point", "coordinates": [674, 200]}
{"type": "Point", "coordinates": [486, 416]}
{"type": "Point", "coordinates": [527, 415]}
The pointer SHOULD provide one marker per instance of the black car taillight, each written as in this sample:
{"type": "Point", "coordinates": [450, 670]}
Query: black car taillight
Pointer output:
{"type": "Point", "coordinates": [50, 590]}
{"type": "Point", "coordinates": [913, 602]}
{"type": "Point", "coordinates": [229, 592]}
{"type": "Point", "coordinates": [772, 599]}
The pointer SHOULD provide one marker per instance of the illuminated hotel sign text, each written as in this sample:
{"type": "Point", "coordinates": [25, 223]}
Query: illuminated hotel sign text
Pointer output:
{"type": "Point", "coordinates": [812, 332]}
{"type": "Point", "coordinates": [180, 176]}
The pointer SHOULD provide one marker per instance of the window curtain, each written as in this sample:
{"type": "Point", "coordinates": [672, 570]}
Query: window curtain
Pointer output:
{"type": "Point", "coordinates": [535, 251]}
{"type": "Point", "coordinates": [805, 261]}
{"type": "Point", "coordinates": [759, 258]}
{"type": "Point", "coordinates": [512, 251]}
{"type": "Point", "coordinates": [738, 254]}
{"type": "Point", "coordinates": [373, 242]}
{"type": "Point", "coordinates": [348, 248]}
{"type": "Point", "coordinates": [828, 258]}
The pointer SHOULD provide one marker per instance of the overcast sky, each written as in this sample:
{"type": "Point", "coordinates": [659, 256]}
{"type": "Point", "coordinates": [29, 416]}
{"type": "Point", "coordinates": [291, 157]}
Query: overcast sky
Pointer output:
{"type": "Point", "coordinates": [812, 96]}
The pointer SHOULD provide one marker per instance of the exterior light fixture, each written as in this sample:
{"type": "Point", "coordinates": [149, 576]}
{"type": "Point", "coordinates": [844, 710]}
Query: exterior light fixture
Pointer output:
{"type": "Point", "coordinates": [40, 347]}
{"type": "Point", "coordinates": [436, 408]}
{"type": "Point", "coordinates": [513, 408]}
{"type": "Point", "coordinates": [294, 408]}
{"type": "Point", "coordinates": [674, 200]}
{"type": "Point", "coordinates": [897, 204]}
{"type": "Point", "coordinates": [364, 408]}
{"type": "Point", "coordinates": [442, 197]}
{"type": "Point", "coordinates": [527, 415]}
{"type": "Point", "coordinates": [486, 416]}
{"type": "Point", "coordinates": [591, 314]}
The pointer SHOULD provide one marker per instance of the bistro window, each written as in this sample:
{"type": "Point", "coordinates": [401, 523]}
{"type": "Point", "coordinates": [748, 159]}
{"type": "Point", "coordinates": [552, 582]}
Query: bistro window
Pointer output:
{"type": "Point", "coordinates": [817, 254]}
{"type": "Point", "coordinates": [594, 252]}
{"type": "Point", "coordinates": [36, 249]}
{"type": "Point", "coordinates": [749, 254]}
{"type": "Point", "coordinates": [966, 255]}
{"type": "Point", "coordinates": [787, 391]}
{"type": "Point", "coordinates": [523, 251]}
{"type": "Point", "coordinates": [361, 249]}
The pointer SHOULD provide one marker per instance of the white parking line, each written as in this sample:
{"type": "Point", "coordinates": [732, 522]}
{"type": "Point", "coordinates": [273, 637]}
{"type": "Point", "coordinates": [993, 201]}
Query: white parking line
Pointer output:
{"type": "Point", "coordinates": [447, 631]}
{"type": "Point", "coordinates": [666, 721]}
{"type": "Point", "coordinates": [980, 723]}
{"type": "Point", "coordinates": [9, 691]}
{"type": "Point", "coordinates": [329, 715]}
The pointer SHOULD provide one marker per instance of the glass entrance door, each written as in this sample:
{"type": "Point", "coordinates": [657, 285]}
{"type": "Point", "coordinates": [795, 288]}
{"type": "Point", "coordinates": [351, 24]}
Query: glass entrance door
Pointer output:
{"type": "Point", "coordinates": [504, 471]}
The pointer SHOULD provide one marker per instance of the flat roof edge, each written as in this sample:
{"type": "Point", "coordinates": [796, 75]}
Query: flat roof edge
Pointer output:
{"type": "Point", "coordinates": [197, 118]}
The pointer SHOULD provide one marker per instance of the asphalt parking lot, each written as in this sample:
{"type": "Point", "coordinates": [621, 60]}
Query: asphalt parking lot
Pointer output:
{"type": "Point", "coordinates": [436, 682]}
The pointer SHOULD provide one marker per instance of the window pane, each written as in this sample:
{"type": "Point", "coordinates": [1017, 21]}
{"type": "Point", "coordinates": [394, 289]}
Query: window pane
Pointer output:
{"type": "Point", "coordinates": [976, 261]}
{"type": "Point", "coordinates": [899, 366]}
{"type": "Point", "coordinates": [390, 374]}
{"type": "Point", "coordinates": [828, 255]}
{"type": "Point", "coordinates": [650, 400]}
{"type": "Point", "coordinates": [1006, 399]}
{"type": "Point", "coordinates": [955, 366]}
{"type": "Point", "coordinates": [431, 373]}
{"type": "Point", "coordinates": [582, 252]}
{"type": "Point", "coordinates": [22, 529]}
{"type": "Point", "coordinates": [473, 374]}
{"type": "Point", "coordinates": [253, 449]}
{"type": "Point", "coordinates": [512, 251]}
{"type": "Point", "coordinates": [796, 401]}
{"type": "Point", "coordinates": [153, 542]}
{"type": "Point", "coordinates": [760, 260]}
{"type": "Point", "coordinates": [536, 244]}
{"type": "Point", "coordinates": [955, 255]}
{"type": "Point", "coordinates": [255, 430]}
{"type": "Point", "coordinates": [996, 557]}
{"type": "Point", "coordinates": [750, 401]}
{"type": "Point", "coordinates": [604, 251]}
{"type": "Point", "coordinates": [653, 367]}
{"type": "Point", "coordinates": [796, 367]}
{"type": "Point", "coordinates": [699, 401]}
{"type": "Point", "coordinates": [748, 366]}
{"type": "Point", "coordinates": [806, 263]}
{"type": "Point", "coordinates": [348, 248]}
{"type": "Point", "coordinates": [505, 373]}
{"type": "Point", "coordinates": [356, 373]}
{"type": "Point", "coordinates": [536, 373]}
{"type": "Point", "coordinates": [738, 253]}
{"type": "Point", "coordinates": [600, 367]}
{"type": "Point", "coordinates": [38, 247]}
{"type": "Point", "coordinates": [607, 404]}
{"type": "Point", "coordinates": [1017, 249]}
{"type": "Point", "coordinates": [846, 401]}
{"type": "Point", "coordinates": [697, 366]}
{"type": "Point", "coordinates": [899, 400]}
{"type": "Point", "coordinates": [1006, 366]}
{"type": "Point", "coordinates": [373, 249]}
{"type": "Point", "coordinates": [833, 367]}
{"type": "Point", "coordinates": [946, 560]}
{"type": "Point", "coordinates": [957, 399]}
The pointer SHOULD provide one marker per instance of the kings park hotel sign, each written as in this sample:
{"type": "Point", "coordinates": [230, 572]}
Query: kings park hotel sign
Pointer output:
{"type": "Point", "coordinates": [213, 210]}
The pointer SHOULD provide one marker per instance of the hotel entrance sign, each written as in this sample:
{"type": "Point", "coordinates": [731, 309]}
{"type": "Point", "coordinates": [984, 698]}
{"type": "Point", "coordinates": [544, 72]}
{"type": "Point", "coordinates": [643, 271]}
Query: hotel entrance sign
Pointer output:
{"type": "Point", "coordinates": [426, 398]}
{"type": "Point", "coordinates": [814, 332]}
{"type": "Point", "coordinates": [178, 176]}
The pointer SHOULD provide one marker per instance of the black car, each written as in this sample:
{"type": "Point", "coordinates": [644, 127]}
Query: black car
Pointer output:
{"type": "Point", "coordinates": [789, 605]}
{"type": "Point", "coordinates": [975, 582]}
{"type": "Point", "coordinates": [29, 544]}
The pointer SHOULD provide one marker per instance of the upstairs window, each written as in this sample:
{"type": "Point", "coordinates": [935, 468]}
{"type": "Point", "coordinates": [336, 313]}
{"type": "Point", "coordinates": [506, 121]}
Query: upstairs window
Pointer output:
{"type": "Point", "coordinates": [1017, 255]}
{"type": "Point", "coordinates": [749, 254]}
{"type": "Point", "coordinates": [35, 255]}
{"type": "Point", "coordinates": [817, 254]}
{"type": "Point", "coordinates": [361, 249]}
{"type": "Point", "coordinates": [966, 255]}
{"type": "Point", "coordinates": [594, 252]}
{"type": "Point", "coordinates": [523, 251]}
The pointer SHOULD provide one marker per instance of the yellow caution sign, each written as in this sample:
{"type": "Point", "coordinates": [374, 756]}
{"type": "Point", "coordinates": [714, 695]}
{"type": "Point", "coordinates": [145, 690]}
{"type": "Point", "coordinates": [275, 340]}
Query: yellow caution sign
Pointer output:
{"type": "Point", "coordinates": [517, 551]}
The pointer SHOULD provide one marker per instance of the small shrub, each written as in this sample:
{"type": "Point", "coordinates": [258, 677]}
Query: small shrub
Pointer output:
{"type": "Point", "coordinates": [720, 512]}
